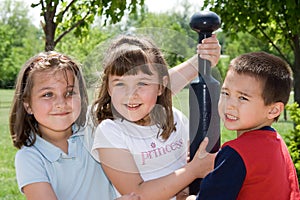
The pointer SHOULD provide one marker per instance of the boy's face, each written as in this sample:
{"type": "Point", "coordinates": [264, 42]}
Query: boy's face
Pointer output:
{"type": "Point", "coordinates": [241, 106]}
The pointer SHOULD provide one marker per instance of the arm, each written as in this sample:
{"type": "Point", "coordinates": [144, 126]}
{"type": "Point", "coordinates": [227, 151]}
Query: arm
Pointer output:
{"type": "Point", "coordinates": [185, 72]}
{"type": "Point", "coordinates": [37, 191]}
{"type": "Point", "coordinates": [121, 169]}
{"type": "Point", "coordinates": [226, 180]}
{"type": "Point", "coordinates": [31, 176]}
{"type": "Point", "coordinates": [229, 166]}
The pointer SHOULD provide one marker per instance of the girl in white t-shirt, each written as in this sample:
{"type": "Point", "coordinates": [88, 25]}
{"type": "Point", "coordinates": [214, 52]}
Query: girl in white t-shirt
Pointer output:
{"type": "Point", "coordinates": [48, 125]}
{"type": "Point", "coordinates": [141, 140]}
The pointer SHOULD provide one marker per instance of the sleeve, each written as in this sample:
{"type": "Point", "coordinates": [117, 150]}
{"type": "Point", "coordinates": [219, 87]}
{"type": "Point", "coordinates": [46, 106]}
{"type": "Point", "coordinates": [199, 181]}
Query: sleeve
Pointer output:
{"type": "Point", "coordinates": [226, 180]}
{"type": "Point", "coordinates": [30, 167]}
{"type": "Point", "coordinates": [182, 123]}
{"type": "Point", "coordinates": [107, 135]}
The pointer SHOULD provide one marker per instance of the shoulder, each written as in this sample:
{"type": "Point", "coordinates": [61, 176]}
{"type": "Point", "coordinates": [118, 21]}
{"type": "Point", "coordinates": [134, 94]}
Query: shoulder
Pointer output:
{"type": "Point", "coordinates": [35, 157]}
{"type": "Point", "coordinates": [30, 166]}
{"type": "Point", "coordinates": [108, 123]}
{"type": "Point", "coordinates": [109, 126]}
{"type": "Point", "coordinates": [108, 132]}
{"type": "Point", "coordinates": [227, 153]}
{"type": "Point", "coordinates": [254, 140]}
{"type": "Point", "coordinates": [27, 154]}
{"type": "Point", "coordinates": [179, 116]}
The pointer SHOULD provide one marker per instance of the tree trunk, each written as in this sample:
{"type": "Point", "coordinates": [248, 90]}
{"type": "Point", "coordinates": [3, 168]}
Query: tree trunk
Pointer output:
{"type": "Point", "coordinates": [50, 34]}
{"type": "Point", "coordinates": [49, 26]}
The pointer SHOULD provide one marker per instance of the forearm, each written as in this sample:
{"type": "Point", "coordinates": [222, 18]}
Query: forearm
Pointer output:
{"type": "Point", "coordinates": [168, 186]}
{"type": "Point", "coordinates": [121, 169]}
{"type": "Point", "coordinates": [183, 73]}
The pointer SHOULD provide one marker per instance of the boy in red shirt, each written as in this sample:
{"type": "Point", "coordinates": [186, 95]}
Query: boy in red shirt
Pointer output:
{"type": "Point", "coordinates": [257, 164]}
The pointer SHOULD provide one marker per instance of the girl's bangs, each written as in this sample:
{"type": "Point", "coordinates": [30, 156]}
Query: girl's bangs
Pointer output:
{"type": "Point", "coordinates": [130, 63]}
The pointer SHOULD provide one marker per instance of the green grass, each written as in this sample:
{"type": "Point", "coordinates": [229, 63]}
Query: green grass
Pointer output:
{"type": "Point", "coordinates": [8, 185]}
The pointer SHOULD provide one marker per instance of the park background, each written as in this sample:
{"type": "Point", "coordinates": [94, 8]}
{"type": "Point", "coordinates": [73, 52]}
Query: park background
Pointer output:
{"type": "Point", "coordinates": [82, 29]}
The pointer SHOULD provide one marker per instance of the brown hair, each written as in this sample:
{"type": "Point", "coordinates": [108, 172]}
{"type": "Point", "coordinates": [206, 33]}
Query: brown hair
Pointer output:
{"type": "Point", "coordinates": [273, 72]}
{"type": "Point", "coordinates": [23, 127]}
{"type": "Point", "coordinates": [129, 55]}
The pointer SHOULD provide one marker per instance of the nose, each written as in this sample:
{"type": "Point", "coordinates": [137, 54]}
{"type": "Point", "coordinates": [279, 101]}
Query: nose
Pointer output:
{"type": "Point", "coordinates": [230, 103]}
{"type": "Point", "coordinates": [132, 92]}
{"type": "Point", "coordinates": [60, 102]}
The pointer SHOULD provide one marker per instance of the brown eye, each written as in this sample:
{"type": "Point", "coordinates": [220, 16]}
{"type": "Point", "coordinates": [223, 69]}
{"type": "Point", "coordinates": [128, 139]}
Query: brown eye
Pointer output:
{"type": "Point", "coordinates": [70, 93]}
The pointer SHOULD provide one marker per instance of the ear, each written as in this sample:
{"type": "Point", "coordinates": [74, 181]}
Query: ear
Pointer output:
{"type": "Point", "coordinates": [27, 108]}
{"type": "Point", "coordinates": [163, 86]}
{"type": "Point", "coordinates": [275, 110]}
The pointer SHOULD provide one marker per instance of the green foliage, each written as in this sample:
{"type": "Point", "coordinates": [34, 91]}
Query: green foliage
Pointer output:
{"type": "Point", "coordinates": [63, 16]}
{"type": "Point", "coordinates": [87, 50]}
{"type": "Point", "coordinates": [222, 67]}
{"type": "Point", "coordinates": [293, 139]}
{"type": "Point", "coordinates": [170, 31]}
{"type": "Point", "coordinates": [19, 40]}
{"type": "Point", "coordinates": [169, 34]}
{"type": "Point", "coordinates": [274, 22]}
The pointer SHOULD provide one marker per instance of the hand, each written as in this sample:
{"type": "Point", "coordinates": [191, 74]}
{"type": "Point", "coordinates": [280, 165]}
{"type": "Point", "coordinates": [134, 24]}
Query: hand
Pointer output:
{"type": "Point", "coordinates": [203, 161]}
{"type": "Point", "coordinates": [210, 49]}
{"type": "Point", "coordinates": [131, 196]}
{"type": "Point", "coordinates": [183, 194]}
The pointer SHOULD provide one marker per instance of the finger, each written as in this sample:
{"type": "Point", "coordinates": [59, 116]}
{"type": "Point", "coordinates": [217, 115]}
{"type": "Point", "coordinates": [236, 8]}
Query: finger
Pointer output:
{"type": "Point", "coordinates": [212, 39]}
{"type": "Point", "coordinates": [212, 58]}
{"type": "Point", "coordinates": [209, 46]}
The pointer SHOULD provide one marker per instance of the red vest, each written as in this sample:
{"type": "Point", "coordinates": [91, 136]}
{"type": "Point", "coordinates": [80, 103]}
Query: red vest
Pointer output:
{"type": "Point", "coordinates": [270, 172]}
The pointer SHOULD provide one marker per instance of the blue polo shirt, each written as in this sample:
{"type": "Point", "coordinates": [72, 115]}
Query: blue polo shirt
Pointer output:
{"type": "Point", "coordinates": [75, 175]}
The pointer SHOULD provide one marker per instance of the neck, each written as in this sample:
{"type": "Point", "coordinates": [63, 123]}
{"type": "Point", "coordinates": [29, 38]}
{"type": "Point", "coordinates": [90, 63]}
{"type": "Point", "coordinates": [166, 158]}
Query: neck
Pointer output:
{"type": "Point", "coordinates": [59, 139]}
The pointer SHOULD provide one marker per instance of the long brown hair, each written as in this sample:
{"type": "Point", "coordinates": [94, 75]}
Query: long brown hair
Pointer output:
{"type": "Point", "coordinates": [23, 126]}
{"type": "Point", "coordinates": [129, 55]}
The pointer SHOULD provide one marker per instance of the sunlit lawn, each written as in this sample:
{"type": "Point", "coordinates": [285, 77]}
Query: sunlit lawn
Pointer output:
{"type": "Point", "coordinates": [8, 185]}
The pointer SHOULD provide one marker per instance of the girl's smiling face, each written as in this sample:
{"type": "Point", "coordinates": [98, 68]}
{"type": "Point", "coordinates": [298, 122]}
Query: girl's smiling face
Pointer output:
{"type": "Point", "coordinates": [241, 105]}
{"type": "Point", "coordinates": [134, 96]}
{"type": "Point", "coordinates": [55, 101]}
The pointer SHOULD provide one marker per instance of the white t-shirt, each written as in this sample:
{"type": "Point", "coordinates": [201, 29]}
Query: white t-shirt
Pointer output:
{"type": "Point", "coordinates": [153, 156]}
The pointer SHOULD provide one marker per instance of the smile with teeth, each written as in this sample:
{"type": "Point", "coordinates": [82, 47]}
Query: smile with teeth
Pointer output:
{"type": "Point", "coordinates": [131, 106]}
{"type": "Point", "coordinates": [231, 117]}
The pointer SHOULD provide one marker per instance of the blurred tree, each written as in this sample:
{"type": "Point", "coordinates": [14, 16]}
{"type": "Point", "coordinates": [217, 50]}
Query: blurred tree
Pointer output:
{"type": "Point", "coordinates": [88, 50]}
{"type": "Point", "coordinates": [274, 22]}
{"type": "Point", "coordinates": [63, 16]}
{"type": "Point", "coordinates": [19, 40]}
{"type": "Point", "coordinates": [169, 30]}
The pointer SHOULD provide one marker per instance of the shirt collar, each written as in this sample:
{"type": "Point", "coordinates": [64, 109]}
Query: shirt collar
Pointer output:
{"type": "Point", "coordinates": [52, 152]}
{"type": "Point", "coordinates": [267, 128]}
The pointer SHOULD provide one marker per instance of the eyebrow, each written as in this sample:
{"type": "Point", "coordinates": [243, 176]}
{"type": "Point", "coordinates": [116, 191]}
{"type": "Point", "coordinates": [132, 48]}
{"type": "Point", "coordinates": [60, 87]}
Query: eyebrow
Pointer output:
{"type": "Point", "coordinates": [244, 94]}
{"type": "Point", "coordinates": [141, 78]}
{"type": "Point", "coordinates": [50, 88]}
{"type": "Point", "coordinates": [239, 92]}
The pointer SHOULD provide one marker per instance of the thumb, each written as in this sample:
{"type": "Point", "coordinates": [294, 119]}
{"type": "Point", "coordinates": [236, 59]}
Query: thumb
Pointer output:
{"type": "Point", "coordinates": [202, 153]}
